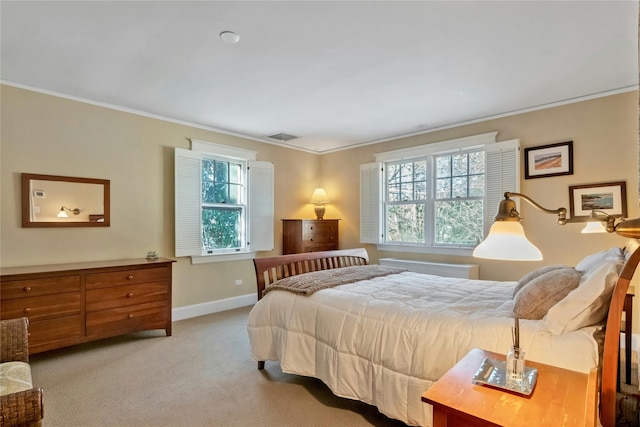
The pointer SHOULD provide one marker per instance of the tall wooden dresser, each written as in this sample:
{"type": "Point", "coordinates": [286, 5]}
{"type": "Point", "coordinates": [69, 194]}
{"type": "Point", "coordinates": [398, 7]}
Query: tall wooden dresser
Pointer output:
{"type": "Point", "coordinates": [74, 303]}
{"type": "Point", "coordinates": [309, 235]}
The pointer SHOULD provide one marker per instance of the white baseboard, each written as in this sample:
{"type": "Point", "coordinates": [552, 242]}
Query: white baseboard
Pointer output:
{"type": "Point", "coordinates": [210, 307]}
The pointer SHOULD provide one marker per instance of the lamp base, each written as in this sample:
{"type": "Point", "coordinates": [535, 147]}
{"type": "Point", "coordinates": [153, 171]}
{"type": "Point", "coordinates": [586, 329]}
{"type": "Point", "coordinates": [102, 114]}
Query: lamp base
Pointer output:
{"type": "Point", "coordinates": [320, 212]}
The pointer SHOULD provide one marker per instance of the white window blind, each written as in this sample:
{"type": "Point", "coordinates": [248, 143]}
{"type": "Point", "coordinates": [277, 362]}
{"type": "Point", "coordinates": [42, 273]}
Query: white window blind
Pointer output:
{"type": "Point", "coordinates": [188, 207]}
{"type": "Point", "coordinates": [260, 207]}
{"type": "Point", "coordinates": [371, 202]}
{"type": "Point", "coordinates": [502, 172]}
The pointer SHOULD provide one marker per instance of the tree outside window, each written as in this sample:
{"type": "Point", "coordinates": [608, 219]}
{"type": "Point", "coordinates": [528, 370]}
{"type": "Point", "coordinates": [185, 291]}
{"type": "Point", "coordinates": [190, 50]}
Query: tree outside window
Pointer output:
{"type": "Point", "coordinates": [222, 205]}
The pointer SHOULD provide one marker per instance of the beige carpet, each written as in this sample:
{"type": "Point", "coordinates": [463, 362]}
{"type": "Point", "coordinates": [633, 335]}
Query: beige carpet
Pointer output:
{"type": "Point", "coordinates": [203, 375]}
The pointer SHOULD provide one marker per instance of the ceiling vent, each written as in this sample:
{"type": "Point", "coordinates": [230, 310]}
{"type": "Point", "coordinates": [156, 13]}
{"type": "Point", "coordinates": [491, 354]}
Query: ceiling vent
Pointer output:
{"type": "Point", "coordinates": [282, 137]}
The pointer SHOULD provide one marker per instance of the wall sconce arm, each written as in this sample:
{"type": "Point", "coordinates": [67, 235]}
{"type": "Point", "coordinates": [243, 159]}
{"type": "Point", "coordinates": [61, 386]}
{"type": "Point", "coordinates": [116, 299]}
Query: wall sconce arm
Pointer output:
{"type": "Point", "coordinates": [507, 210]}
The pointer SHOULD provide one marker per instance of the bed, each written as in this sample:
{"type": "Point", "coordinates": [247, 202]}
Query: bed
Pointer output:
{"type": "Point", "coordinates": [384, 336]}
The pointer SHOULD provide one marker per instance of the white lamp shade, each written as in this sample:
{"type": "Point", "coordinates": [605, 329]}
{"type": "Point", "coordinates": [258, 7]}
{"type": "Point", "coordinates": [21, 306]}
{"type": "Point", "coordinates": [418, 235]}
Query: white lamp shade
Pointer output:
{"type": "Point", "coordinates": [62, 214]}
{"type": "Point", "coordinates": [506, 241]}
{"type": "Point", "coordinates": [319, 197]}
{"type": "Point", "coordinates": [594, 227]}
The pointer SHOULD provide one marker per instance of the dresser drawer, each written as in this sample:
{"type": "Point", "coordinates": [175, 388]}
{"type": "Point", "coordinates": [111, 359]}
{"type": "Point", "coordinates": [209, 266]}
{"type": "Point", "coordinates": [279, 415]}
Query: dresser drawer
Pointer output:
{"type": "Point", "coordinates": [35, 287]}
{"type": "Point", "coordinates": [319, 238]}
{"type": "Point", "coordinates": [310, 228]}
{"type": "Point", "coordinates": [47, 331]}
{"type": "Point", "coordinates": [154, 315]}
{"type": "Point", "coordinates": [318, 247]}
{"type": "Point", "coordinates": [124, 277]}
{"type": "Point", "coordinates": [121, 296]}
{"type": "Point", "coordinates": [40, 308]}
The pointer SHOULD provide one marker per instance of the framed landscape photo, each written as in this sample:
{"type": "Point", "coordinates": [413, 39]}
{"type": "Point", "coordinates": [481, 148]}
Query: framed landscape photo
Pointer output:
{"type": "Point", "coordinates": [607, 197]}
{"type": "Point", "coordinates": [548, 160]}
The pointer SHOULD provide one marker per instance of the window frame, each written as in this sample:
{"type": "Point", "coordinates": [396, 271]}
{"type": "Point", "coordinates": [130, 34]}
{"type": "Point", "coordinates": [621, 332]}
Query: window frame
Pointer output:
{"type": "Point", "coordinates": [259, 202]}
{"type": "Point", "coordinates": [241, 205]}
{"type": "Point", "coordinates": [505, 177]}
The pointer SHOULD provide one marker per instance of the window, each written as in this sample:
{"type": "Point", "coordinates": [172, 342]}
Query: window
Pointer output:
{"type": "Point", "coordinates": [223, 202]}
{"type": "Point", "coordinates": [437, 197]}
{"type": "Point", "coordinates": [223, 205]}
{"type": "Point", "coordinates": [406, 185]}
{"type": "Point", "coordinates": [459, 199]}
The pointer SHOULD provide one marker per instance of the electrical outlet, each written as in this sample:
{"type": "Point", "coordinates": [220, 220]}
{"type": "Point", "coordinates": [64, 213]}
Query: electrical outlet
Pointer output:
{"type": "Point", "coordinates": [238, 282]}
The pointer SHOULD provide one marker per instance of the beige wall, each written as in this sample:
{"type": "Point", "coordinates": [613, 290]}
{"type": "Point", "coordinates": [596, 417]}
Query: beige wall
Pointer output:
{"type": "Point", "coordinates": [604, 132]}
{"type": "Point", "coordinates": [48, 135]}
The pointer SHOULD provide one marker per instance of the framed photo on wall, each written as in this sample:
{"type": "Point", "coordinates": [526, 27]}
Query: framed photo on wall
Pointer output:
{"type": "Point", "coordinates": [607, 197]}
{"type": "Point", "coordinates": [548, 160]}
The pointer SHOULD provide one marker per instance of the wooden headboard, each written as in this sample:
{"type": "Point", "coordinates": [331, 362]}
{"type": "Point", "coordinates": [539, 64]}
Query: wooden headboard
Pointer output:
{"type": "Point", "coordinates": [608, 385]}
{"type": "Point", "coordinates": [270, 269]}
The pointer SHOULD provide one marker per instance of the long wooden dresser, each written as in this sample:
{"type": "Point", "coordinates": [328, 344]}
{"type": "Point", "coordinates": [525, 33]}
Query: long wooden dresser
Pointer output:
{"type": "Point", "coordinates": [69, 304]}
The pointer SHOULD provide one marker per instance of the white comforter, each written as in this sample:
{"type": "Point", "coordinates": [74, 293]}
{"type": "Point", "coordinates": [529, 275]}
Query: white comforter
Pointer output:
{"type": "Point", "coordinates": [385, 341]}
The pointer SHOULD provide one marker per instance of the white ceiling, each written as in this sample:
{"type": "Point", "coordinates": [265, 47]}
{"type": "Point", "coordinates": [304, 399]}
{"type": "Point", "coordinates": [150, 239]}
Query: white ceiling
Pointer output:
{"type": "Point", "coordinates": [334, 73]}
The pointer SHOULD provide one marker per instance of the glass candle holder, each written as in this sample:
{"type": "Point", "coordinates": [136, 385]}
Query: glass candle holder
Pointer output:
{"type": "Point", "coordinates": [515, 368]}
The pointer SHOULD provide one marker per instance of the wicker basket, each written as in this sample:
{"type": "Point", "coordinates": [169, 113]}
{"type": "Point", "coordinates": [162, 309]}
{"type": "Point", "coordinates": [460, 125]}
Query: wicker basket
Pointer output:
{"type": "Point", "coordinates": [23, 408]}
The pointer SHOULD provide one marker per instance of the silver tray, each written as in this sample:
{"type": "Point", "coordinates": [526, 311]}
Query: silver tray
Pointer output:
{"type": "Point", "coordinates": [493, 373]}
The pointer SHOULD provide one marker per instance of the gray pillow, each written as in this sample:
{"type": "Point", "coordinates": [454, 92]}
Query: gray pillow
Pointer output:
{"type": "Point", "coordinates": [535, 273]}
{"type": "Point", "coordinates": [540, 294]}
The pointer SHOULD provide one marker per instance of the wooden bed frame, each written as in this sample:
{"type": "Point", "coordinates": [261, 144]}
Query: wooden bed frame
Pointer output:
{"type": "Point", "coordinates": [268, 270]}
{"type": "Point", "coordinates": [271, 269]}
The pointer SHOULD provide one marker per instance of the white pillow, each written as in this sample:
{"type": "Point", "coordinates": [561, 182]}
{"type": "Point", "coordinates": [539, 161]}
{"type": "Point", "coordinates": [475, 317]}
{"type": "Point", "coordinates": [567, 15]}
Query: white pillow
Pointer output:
{"type": "Point", "coordinates": [595, 260]}
{"type": "Point", "coordinates": [588, 304]}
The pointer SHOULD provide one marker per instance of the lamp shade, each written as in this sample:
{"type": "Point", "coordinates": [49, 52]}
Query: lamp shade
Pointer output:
{"type": "Point", "coordinates": [506, 241]}
{"type": "Point", "coordinates": [594, 227]}
{"type": "Point", "coordinates": [62, 213]}
{"type": "Point", "coordinates": [319, 197]}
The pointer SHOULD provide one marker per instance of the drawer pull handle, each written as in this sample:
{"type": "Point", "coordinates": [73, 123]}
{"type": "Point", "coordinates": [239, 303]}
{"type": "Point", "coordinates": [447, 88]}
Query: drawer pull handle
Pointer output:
{"type": "Point", "coordinates": [27, 289]}
{"type": "Point", "coordinates": [130, 294]}
{"type": "Point", "coordinates": [311, 240]}
{"type": "Point", "coordinates": [130, 316]}
{"type": "Point", "coordinates": [27, 310]}
{"type": "Point", "coordinates": [130, 276]}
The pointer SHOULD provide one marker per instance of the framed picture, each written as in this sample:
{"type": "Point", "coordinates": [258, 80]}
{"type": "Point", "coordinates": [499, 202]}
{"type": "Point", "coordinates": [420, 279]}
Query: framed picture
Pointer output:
{"type": "Point", "coordinates": [548, 160]}
{"type": "Point", "coordinates": [608, 197]}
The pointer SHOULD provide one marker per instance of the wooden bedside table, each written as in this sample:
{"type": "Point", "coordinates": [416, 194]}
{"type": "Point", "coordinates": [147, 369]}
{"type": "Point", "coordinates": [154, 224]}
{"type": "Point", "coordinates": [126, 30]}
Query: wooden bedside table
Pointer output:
{"type": "Point", "coordinates": [560, 398]}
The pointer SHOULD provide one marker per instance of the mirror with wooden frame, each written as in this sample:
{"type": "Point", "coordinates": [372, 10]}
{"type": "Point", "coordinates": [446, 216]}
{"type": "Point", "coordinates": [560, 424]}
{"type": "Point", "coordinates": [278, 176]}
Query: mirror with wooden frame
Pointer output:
{"type": "Point", "coordinates": [63, 201]}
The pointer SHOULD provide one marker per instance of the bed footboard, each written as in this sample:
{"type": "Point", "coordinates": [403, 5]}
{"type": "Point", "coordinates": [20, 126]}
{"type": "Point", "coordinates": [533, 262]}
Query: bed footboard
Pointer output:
{"type": "Point", "coordinates": [270, 269]}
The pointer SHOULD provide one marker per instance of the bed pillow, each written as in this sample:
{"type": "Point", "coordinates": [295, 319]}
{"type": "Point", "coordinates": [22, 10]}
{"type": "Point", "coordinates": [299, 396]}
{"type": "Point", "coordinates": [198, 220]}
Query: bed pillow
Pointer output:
{"type": "Point", "coordinates": [544, 291]}
{"type": "Point", "coordinates": [595, 260]}
{"type": "Point", "coordinates": [535, 273]}
{"type": "Point", "coordinates": [588, 304]}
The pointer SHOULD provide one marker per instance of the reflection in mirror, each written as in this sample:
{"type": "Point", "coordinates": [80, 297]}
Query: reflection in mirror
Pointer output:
{"type": "Point", "coordinates": [61, 201]}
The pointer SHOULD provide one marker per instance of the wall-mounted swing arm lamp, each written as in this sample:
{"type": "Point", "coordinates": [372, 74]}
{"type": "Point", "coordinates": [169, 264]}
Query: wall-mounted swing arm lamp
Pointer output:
{"type": "Point", "coordinates": [507, 241]}
{"type": "Point", "coordinates": [63, 213]}
{"type": "Point", "coordinates": [607, 223]}
{"type": "Point", "coordinates": [596, 223]}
